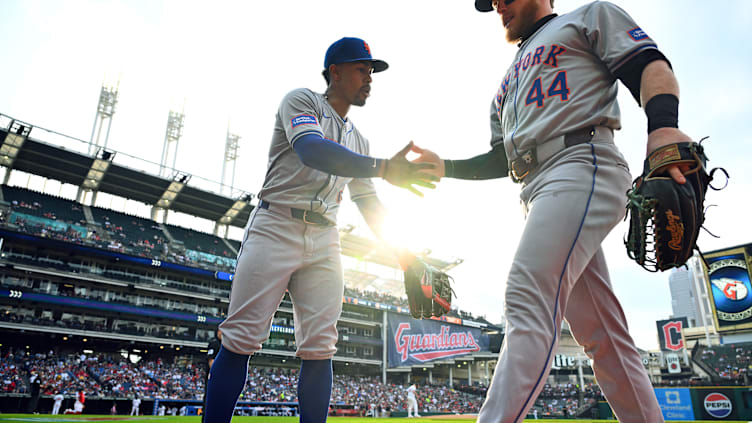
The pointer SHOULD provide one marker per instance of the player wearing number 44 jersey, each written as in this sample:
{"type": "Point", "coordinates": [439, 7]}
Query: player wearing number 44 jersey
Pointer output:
{"type": "Point", "coordinates": [291, 241]}
{"type": "Point", "coordinates": [552, 123]}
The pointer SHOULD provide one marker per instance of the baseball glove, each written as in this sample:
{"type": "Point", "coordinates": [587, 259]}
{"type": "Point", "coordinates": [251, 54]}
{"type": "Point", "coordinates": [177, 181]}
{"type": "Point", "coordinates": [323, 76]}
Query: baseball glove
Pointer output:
{"type": "Point", "coordinates": [428, 289]}
{"type": "Point", "coordinates": [665, 217]}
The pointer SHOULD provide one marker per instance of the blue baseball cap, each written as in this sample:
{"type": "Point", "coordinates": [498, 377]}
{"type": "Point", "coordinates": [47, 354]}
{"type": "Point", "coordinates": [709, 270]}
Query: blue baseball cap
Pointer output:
{"type": "Point", "coordinates": [350, 49]}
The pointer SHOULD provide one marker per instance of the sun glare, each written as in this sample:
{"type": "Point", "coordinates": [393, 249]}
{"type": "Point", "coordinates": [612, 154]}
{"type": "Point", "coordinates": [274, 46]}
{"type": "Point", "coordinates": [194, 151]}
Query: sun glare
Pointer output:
{"type": "Point", "coordinates": [402, 232]}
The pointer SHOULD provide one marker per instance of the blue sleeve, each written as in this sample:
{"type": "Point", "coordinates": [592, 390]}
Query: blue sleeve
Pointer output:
{"type": "Point", "coordinates": [330, 157]}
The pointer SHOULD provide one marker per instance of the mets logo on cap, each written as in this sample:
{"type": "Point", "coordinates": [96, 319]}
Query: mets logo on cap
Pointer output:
{"type": "Point", "coordinates": [718, 405]}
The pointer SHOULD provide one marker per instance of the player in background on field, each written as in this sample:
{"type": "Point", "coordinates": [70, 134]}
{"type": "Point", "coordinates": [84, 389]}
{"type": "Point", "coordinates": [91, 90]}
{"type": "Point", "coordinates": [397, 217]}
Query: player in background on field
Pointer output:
{"type": "Point", "coordinates": [552, 123]}
{"type": "Point", "coordinates": [135, 406]}
{"type": "Point", "coordinates": [291, 241]}
{"type": "Point", "coordinates": [58, 398]}
{"type": "Point", "coordinates": [78, 406]}
{"type": "Point", "coordinates": [412, 402]}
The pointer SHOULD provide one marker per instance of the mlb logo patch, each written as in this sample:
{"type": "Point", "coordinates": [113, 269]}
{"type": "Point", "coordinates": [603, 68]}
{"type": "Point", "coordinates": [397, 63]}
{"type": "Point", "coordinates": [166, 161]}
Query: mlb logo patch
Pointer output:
{"type": "Point", "coordinates": [637, 34]}
{"type": "Point", "coordinates": [303, 120]}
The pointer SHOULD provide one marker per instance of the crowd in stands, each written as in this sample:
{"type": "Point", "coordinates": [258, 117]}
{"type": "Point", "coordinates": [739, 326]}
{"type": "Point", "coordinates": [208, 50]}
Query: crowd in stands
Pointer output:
{"type": "Point", "coordinates": [365, 393]}
{"type": "Point", "coordinates": [111, 230]}
{"type": "Point", "coordinates": [379, 297]}
{"type": "Point", "coordinates": [116, 377]}
{"type": "Point", "coordinates": [101, 376]}
{"type": "Point", "coordinates": [123, 233]}
{"type": "Point", "coordinates": [730, 364]}
{"type": "Point", "coordinates": [562, 400]}
{"type": "Point", "coordinates": [46, 231]}
{"type": "Point", "coordinates": [123, 327]}
{"type": "Point", "coordinates": [386, 298]}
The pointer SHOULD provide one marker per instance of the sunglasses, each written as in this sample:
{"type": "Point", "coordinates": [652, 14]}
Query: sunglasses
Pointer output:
{"type": "Point", "coordinates": [495, 3]}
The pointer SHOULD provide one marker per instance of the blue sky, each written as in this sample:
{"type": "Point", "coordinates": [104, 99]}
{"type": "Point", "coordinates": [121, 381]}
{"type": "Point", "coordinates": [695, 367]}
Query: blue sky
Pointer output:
{"type": "Point", "coordinates": [233, 61]}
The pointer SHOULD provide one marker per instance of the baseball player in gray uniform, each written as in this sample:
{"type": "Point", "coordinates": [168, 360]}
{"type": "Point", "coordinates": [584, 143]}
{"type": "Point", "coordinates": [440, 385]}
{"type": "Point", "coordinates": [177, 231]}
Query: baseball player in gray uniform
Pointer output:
{"type": "Point", "coordinates": [291, 242]}
{"type": "Point", "coordinates": [552, 123]}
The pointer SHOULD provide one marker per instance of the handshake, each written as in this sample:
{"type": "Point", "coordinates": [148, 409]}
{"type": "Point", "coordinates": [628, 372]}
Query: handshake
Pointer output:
{"type": "Point", "coordinates": [423, 171]}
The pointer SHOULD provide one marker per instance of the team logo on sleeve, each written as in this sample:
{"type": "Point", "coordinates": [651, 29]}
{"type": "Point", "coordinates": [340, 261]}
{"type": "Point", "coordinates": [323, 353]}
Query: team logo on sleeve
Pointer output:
{"type": "Point", "coordinates": [303, 120]}
{"type": "Point", "coordinates": [637, 34]}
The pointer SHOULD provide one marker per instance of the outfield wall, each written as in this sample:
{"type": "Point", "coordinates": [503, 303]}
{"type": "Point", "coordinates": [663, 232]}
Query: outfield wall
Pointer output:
{"type": "Point", "coordinates": [699, 403]}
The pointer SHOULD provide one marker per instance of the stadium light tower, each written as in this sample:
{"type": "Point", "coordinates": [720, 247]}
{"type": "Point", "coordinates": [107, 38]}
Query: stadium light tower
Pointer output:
{"type": "Point", "coordinates": [174, 131]}
{"type": "Point", "coordinates": [231, 156]}
{"type": "Point", "coordinates": [108, 98]}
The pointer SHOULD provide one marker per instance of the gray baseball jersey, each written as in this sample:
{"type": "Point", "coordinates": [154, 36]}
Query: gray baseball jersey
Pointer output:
{"type": "Point", "coordinates": [288, 182]}
{"type": "Point", "coordinates": [280, 252]}
{"type": "Point", "coordinates": [562, 80]}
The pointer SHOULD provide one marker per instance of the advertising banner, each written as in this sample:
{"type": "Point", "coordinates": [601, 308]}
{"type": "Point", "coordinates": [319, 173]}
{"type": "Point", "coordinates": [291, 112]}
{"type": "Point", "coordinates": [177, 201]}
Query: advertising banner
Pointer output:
{"type": "Point", "coordinates": [676, 403]}
{"type": "Point", "coordinates": [411, 341]}
{"type": "Point", "coordinates": [672, 363]}
{"type": "Point", "coordinates": [729, 287]}
{"type": "Point", "coordinates": [716, 404]}
{"type": "Point", "coordinates": [670, 337]}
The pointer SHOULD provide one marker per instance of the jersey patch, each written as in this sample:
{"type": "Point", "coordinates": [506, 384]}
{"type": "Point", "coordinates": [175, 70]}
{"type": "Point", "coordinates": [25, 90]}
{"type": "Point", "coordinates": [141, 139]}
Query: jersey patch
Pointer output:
{"type": "Point", "coordinates": [637, 34]}
{"type": "Point", "coordinates": [303, 120]}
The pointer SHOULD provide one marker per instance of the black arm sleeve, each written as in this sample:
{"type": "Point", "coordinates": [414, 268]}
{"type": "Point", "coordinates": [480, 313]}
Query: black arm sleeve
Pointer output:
{"type": "Point", "coordinates": [630, 73]}
{"type": "Point", "coordinates": [491, 165]}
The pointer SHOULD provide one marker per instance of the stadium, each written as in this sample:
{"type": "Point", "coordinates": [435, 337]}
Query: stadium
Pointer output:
{"type": "Point", "coordinates": [120, 306]}
{"type": "Point", "coordinates": [115, 270]}
{"type": "Point", "coordinates": [117, 307]}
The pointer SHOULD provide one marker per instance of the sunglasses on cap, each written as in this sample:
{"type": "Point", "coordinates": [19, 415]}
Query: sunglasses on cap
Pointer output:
{"type": "Point", "coordinates": [495, 3]}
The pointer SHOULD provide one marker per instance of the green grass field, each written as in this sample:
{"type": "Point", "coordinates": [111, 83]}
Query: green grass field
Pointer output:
{"type": "Point", "coordinates": [41, 418]}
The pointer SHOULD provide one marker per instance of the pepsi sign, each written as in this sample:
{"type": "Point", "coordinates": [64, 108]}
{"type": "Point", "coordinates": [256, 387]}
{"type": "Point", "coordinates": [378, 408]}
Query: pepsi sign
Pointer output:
{"type": "Point", "coordinates": [718, 405]}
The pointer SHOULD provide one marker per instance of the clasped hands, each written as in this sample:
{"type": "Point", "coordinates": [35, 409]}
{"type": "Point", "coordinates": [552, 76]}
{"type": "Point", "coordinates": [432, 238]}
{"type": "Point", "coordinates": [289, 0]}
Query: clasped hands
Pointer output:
{"type": "Point", "coordinates": [422, 171]}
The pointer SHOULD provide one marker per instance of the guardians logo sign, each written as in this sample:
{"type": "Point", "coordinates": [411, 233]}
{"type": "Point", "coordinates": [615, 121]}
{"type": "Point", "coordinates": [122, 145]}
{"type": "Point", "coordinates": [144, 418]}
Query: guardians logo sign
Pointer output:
{"type": "Point", "coordinates": [420, 341]}
{"type": "Point", "coordinates": [730, 287]}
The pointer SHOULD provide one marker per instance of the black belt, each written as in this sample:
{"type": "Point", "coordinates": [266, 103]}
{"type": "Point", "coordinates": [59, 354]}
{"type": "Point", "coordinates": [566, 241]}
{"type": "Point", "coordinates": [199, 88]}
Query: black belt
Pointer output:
{"type": "Point", "coordinates": [529, 160]}
{"type": "Point", "coordinates": [306, 216]}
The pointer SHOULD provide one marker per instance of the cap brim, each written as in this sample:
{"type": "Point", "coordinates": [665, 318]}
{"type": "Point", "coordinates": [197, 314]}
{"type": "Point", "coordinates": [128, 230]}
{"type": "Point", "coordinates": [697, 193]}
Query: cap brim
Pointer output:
{"type": "Point", "coordinates": [483, 5]}
{"type": "Point", "coordinates": [379, 65]}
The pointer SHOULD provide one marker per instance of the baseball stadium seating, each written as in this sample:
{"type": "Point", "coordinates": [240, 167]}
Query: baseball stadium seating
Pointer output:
{"type": "Point", "coordinates": [116, 377]}
{"type": "Point", "coordinates": [730, 363]}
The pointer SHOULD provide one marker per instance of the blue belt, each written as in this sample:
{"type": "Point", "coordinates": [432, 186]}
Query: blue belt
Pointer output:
{"type": "Point", "coordinates": [307, 216]}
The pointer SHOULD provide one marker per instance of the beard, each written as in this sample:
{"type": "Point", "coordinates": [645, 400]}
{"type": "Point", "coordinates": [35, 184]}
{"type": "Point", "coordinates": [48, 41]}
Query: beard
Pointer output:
{"type": "Point", "coordinates": [522, 23]}
{"type": "Point", "coordinates": [359, 100]}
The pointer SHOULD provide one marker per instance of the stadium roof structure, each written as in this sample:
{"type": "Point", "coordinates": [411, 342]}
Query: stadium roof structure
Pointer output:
{"type": "Point", "coordinates": [20, 150]}
{"type": "Point", "coordinates": [377, 252]}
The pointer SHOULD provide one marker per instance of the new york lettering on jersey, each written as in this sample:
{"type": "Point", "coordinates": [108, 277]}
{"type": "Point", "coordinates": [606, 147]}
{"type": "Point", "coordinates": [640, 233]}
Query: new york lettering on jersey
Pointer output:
{"type": "Point", "coordinates": [567, 60]}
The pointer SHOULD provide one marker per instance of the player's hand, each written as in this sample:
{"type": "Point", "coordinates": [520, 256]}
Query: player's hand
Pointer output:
{"type": "Point", "coordinates": [400, 172]}
{"type": "Point", "coordinates": [666, 136]}
{"type": "Point", "coordinates": [428, 156]}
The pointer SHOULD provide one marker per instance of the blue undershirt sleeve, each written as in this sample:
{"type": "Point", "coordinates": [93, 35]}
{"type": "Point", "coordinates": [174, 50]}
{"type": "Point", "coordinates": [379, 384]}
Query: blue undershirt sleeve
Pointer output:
{"type": "Point", "coordinates": [330, 157]}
